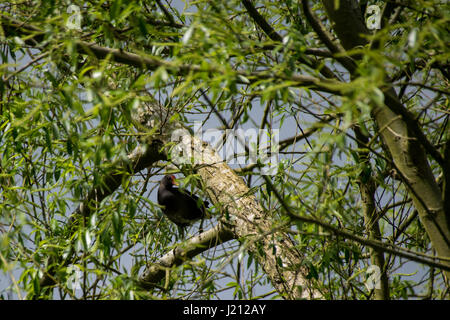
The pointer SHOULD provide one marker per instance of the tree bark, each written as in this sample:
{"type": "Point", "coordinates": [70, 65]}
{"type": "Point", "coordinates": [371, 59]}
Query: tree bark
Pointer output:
{"type": "Point", "coordinates": [274, 250]}
{"type": "Point", "coordinates": [213, 237]}
{"type": "Point", "coordinates": [367, 188]}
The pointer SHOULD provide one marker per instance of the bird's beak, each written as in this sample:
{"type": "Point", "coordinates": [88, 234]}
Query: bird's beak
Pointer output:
{"type": "Point", "coordinates": [174, 181]}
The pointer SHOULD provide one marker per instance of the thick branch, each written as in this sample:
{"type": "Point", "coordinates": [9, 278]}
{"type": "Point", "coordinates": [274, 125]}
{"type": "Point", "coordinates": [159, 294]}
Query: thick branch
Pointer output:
{"type": "Point", "coordinates": [211, 238]}
{"type": "Point", "coordinates": [139, 159]}
{"type": "Point", "coordinates": [132, 59]}
{"type": "Point", "coordinates": [274, 36]}
{"type": "Point", "coordinates": [367, 187]}
{"type": "Point", "coordinates": [261, 22]}
{"type": "Point", "coordinates": [276, 253]}
{"type": "Point", "coordinates": [375, 244]}
{"type": "Point", "coordinates": [446, 182]}
{"type": "Point", "coordinates": [326, 38]}
{"type": "Point", "coordinates": [403, 136]}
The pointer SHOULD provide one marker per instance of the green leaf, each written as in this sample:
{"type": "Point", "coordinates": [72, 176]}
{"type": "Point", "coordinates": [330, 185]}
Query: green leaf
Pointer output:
{"type": "Point", "coordinates": [114, 9]}
{"type": "Point", "coordinates": [36, 284]}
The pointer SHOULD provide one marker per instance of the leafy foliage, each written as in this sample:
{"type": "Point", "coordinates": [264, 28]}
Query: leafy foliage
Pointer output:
{"type": "Point", "coordinates": [66, 117]}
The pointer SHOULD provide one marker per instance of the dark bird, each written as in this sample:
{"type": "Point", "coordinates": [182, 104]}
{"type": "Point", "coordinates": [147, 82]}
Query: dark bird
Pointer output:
{"type": "Point", "coordinates": [179, 206]}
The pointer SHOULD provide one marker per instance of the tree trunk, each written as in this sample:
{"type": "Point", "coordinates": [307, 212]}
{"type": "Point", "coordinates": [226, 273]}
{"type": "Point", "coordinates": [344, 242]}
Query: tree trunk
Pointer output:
{"type": "Point", "coordinates": [400, 135]}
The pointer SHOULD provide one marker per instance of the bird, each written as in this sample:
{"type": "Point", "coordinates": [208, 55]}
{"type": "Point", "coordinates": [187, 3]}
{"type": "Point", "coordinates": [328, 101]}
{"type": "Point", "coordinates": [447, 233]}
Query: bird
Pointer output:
{"type": "Point", "coordinates": [180, 207]}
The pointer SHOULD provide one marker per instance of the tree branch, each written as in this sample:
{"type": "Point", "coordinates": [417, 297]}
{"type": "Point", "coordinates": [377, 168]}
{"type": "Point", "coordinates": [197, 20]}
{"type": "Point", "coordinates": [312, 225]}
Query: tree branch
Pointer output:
{"type": "Point", "coordinates": [326, 38]}
{"type": "Point", "coordinates": [403, 136]}
{"type": "Point", "coordinates": [276, 254]}
{"type": "Point", "coordinates": [367, 188]}
{"type": "Point", "coordinates": [385, 247]}
{"type": "Point", "coordinates": [166, 12]}
{"type": "Point", "coordinates": [211, 238]}
{"type": "Point", "coordinates": [121, 56]}
{"type": "Point", "coordinates": [261, 22]}
{"type": "Point", "coordinates": [274, 36]}
{"type": "Point", "coordinates": [139, 159]}
{"type": "Point", "coordinates": [446, 170]}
